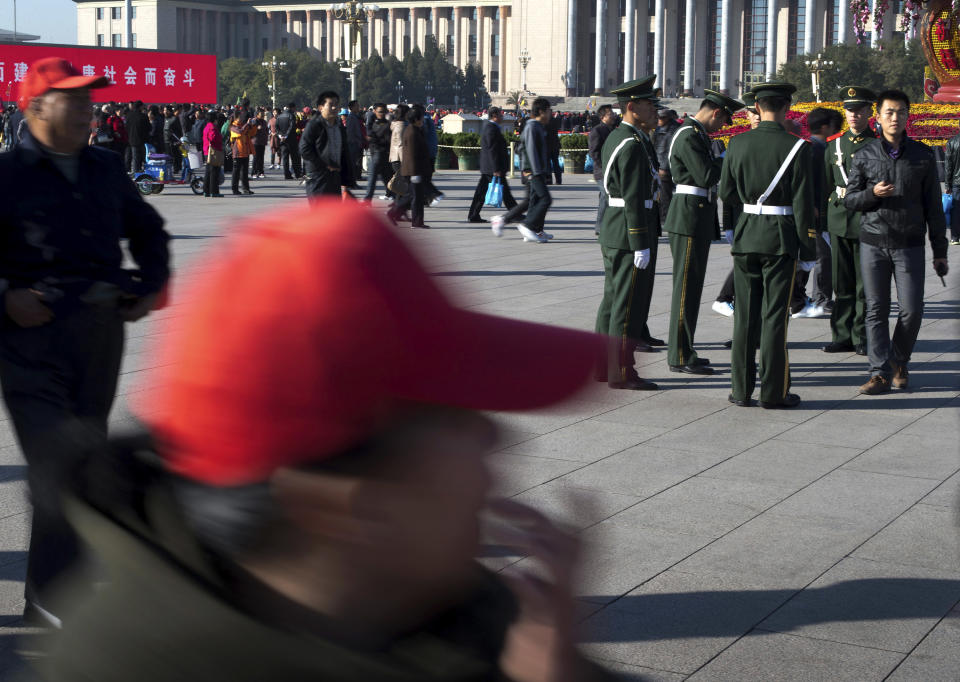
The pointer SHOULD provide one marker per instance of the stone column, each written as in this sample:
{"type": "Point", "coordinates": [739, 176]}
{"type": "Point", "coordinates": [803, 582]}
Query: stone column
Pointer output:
{"type": "Point", "coordinates": [457, 37]}
{"type": "Point", "coordinates": [479, 29]}
{"type": "Point", "coordinates": [308, 28]}
{"type": "Point", "coordinates": [643, 28]}
{"type": "Point", "coordinates": [272, 24]}
{"type": "Point", "coordinates": [809, 20]}
{"type": "Point", "coordinates": [771, 65]}
{"type": "Point", "coordinates": [504, 11]}
{"type": "Point", "coordinates": [392, 30]}
{"type": "Point", "coordinates": [725, 46]}
{"type": "Point", "coordinates": [601, 39]}
{"type": "Point", "coordinates": [422, 28]}
{"type": "Point", "coordinates": [337, 27]}
{"type": "Point", "coordinates": [630, 41]}
{"type": "Point", "coordinates": [204, 29]}
{"type": "Point", "coordinates": [658, 61]}
{"type": "Point", "coordinates": [571, 45]}
{"type": "Point", "coordinates": [842, 26]}
{"type": "Point", "coordinates": [371, 33]}
{"type": "Point", "coordinates": [688, 46]}
{"type": "Point", "coordinates": [435, 24]}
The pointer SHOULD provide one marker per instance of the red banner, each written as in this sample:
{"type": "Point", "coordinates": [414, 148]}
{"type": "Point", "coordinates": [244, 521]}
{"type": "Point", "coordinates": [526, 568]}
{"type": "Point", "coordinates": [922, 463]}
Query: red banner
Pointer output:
{"type": "Point", "coordinates": [154, 77]}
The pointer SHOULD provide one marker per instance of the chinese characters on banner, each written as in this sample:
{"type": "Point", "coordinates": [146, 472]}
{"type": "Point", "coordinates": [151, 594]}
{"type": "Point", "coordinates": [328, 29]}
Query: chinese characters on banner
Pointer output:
{"type": "Point", "coordinates": [154, 77]}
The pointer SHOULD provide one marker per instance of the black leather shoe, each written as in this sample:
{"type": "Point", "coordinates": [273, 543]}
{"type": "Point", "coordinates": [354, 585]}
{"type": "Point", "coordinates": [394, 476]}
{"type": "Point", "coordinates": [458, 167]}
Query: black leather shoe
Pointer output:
{"type": "Point", "coordinates": [636, 384]}
{"type": "Point", "coordinates": [701, 361]}
{"type": "Point", "coordinates": [655, 342]}
{"type": "Point", "coordinates": [834, 347]}
{"type": "Point", "coordinates": [740, 403]}
{"type": "Point", "coordinates": [643, 347]}
{"type": "Point", "coordinates": [728, 344]}
{"type": "Point", "coordinates": [692, 369]}
{"type": "Point", "coordinates": [861, 349]}
{"type": "Point", "coordinates": [477, 219]}
{"type": "Point", "coordinates": [789, 400]}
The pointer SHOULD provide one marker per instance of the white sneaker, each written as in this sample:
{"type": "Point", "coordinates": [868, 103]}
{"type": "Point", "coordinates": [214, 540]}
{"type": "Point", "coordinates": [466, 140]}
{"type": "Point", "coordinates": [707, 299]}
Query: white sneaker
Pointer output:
{"type": "Point", "coordinates": [383, 197]}
{"type": "Point", "coordinates": [436, 202]}
{"type": "Point", "coordinates": [547, 235]}
{"type": "Point", "coordinates": [723, 308]}
{"type": "Point", "coordinates": [530, 236]}
{"type": "Point", "coordinates": [496, 225]}
{"type": "Point", "coordinates": [809, 310]}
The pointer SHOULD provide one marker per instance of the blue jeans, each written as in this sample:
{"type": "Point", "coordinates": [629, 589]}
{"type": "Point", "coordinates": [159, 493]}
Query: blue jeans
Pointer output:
{"type": "Point", "coordinates": [906, 267]}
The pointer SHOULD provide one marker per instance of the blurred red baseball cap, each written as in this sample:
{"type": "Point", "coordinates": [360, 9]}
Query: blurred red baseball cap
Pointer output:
{"type": "Point", "coordinates": [54, 73]}
{"type": "Point", "coordinates": [315, 328]}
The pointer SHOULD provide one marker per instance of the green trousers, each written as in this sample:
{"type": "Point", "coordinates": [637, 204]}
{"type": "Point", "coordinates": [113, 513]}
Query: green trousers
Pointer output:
{"type": "Point", "coordinates": [618, 317]}
{"type": "Point", "coordinates": [762, 286]}
{"type": "Point", "coordinates": [689, 269]}
{"type": "Point", "coordinates": [848, 320]}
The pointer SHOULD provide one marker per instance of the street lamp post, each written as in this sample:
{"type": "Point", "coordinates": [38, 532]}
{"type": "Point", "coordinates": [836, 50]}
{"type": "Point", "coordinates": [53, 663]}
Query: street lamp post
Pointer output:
{"type": "Point", "coordinates": [355, 14]}
{"type": "Point", "coordinates": [273, 65]}
{"type": "Point", "coordinates": [818, 66]}
{"type": "Point", "coordinates": [399, 92]}
{"type": "Point", "coordinates": [524, 61]}
{"type": "Point", "coordinates": [428, 88]}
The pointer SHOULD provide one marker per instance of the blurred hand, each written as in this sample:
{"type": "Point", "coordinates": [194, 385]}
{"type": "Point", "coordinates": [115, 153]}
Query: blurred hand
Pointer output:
{"type": "Point", "coordinates": [883, 189]}
{"type": "Point", "coordinates": [133, 308]}
{"type": "Point", "coordinates": [641, 259]}
{"type": "Point", "coordinates": [24, 307]}
{"type": "Point", "coordinates": [728, 235]}
{"type": "Point", "coordinates": [807, 265]}
{"type": "Point", "coordinates": [416, 179]}
{"type": "Point", "coordinates": [940, 266]}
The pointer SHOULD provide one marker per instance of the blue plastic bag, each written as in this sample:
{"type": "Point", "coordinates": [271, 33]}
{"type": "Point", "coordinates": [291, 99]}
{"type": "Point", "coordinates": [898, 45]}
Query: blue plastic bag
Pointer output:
{"type": "Point", "coordinates": [494, 193]}
{"type": "Point", "coordinates": [947, 206]}
{"type": "Point", "coordinates": [588, 164]}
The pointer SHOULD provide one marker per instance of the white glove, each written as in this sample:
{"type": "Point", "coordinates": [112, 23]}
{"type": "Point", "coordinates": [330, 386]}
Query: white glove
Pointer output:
{"type": "Point", "coordinates": [826, 238]}
{"type": "Point", "coordinates": [416, 179]}
{"type": "Point", "coordinates": [641, 259]}
{"type": "Point", "coordinates": [807, 265]}
{"type": "Point", "coordinates": [728, 235]}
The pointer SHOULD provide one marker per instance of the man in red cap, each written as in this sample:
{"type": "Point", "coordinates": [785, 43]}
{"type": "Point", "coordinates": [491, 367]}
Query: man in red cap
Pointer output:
{"type": "Point", "coordinates": [306, 504]}
{"type": "Point", "coordinates": [66, 297]}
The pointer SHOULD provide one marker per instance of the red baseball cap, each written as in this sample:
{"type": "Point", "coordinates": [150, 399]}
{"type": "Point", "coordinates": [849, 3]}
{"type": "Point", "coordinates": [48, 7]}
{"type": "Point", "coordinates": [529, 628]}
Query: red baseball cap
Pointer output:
{"type": "Point", "coordinates": [315, 328]}
{"type": "Point", "coordinates": [54, 73]}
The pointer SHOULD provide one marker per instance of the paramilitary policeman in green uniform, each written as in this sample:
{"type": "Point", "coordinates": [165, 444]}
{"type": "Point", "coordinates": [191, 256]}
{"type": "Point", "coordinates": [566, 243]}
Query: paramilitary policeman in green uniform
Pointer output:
{"type": "Point", "coordinates": [847, 322]}
{"type": "Point", "coordinates": [626, 232]}
{"type": "Point", "coordinates": [692, 223]}
{"type": "Point", "coordinates": [767, 172]}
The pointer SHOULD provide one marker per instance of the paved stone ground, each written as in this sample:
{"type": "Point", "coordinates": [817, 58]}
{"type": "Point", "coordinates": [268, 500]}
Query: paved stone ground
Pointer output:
{"type": "Point", "coordinates": [722, 543]}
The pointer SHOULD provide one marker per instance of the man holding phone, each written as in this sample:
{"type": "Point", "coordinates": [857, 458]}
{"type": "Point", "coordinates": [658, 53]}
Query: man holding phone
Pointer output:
{"type": "Point", "coordinates": [893, 182]}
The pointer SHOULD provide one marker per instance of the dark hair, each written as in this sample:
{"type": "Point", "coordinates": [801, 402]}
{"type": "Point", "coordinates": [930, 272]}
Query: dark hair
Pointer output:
{"type": "Point", "coordinates": [379, 104]}
{"type": "Point", "coordinates": [603, 109]}
{"type": "Point", "coordinates": [292, 105]}
{"type": "Point", "coordinates": [819, 117]}
{"type": "Point", "coordinates": [400, 113]}
{"type": "Point", "coordinates": [494, 111]}
{"type": "Point", "coordinates": [774, 103]}
{"type": "Point", "coordinates": [414, 115]}
{"type": "Point", "coordinates": [710, 104]}
{"type": "Point", "coordinates": [540, 104]}
{"type": "Point", "coordinates": [212, 116]}
{"type": "Point", "coordinates": [326, 95]}
{"type": "Point", "coordinates": [893, 96]}
{"type": "Point", "coordinates": [352, 102]}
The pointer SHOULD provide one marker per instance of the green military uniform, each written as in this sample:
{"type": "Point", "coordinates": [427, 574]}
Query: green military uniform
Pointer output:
{"type": "Point", "coordinates": [648, 275]}
{"type": "Point", "coordinates": [691, 225]}
{"type": "Point", "coordinates": [770, 233]}
{"type": "Point", "coordinates": [847, 322]}
{"type": "Point", "coordinates": [625, 229]}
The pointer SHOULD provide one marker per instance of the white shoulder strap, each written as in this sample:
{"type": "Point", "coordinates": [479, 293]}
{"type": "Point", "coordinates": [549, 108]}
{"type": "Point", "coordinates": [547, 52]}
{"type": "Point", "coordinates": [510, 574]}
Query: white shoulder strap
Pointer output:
{"type": "Point", "coordinates": [673, 141]}
{"type": "Point", "coordinates": [606, 171]}
{"type": "Point", "coordinates": [783, 169]}
{"type": "Point", "coordinates": [843, 171]}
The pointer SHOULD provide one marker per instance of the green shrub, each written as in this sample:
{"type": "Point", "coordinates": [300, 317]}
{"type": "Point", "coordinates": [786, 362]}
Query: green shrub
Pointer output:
{"type": "Point", "coordinates": [466, 140]}
{"type": "Point", "coordinates": [573, 142]}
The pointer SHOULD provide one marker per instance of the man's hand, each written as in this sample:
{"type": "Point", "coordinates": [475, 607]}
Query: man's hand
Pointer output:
{"type": "Point", "coordinates": [883, 189]}
{"type": "Point", "coordinates": [728, 236]}
{"type": "Point", "coordinates": [24, 307]}
{"type": "Point", "coordinates": [807, 265]}
{"type": "Point", "coordinates": [663, 173]}
{"type": "Point", "coordinates": [940, 266]}
{"type": "Point", "coordinates": [498, 175]}
{"type": "Point", "coordinates": [641, 259]}
{"type": "Point", "coordinates": [133, 308]}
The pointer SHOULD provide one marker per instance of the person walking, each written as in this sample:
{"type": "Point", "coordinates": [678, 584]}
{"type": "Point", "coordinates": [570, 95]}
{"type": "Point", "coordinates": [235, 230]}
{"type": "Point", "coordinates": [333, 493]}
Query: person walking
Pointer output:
{"type": "Point", "coordinates": [138, 133]}
{"type": "Point", "coordinates": [172, 132]}
{"type": "Point", "coordinates": [212, 142]}
{"type": "Point", "coordinates": [356, 138]}
{"type": "Point", "coordinates": [847, 321]}
{"type": "Point", "coordinates": [767, 175]}
{"type": "Point", "coordinates": [325, 151]}
{"type": "Point", "coordinates": [66, 297]}
{"type": "Point", "coordinates": [275, 153]}
{"type": "Point", "coordinates": [893, 182]}
{"type": "Point", "coordinates": [287, 141]}
{"type": "Point", "coordinates": [260, 143]}
{"type": "Point", "coordinates": [951, 177]}
{"type": "Point", "coordinates": [242, 132]}
{"type": "Point", "coordinates": [493, 164]}
{"type": "Point", "coordinates": [692, 223]}
{"type": "Point", "coordinates": [626, 233]}
{"type": "Point", "coordinates": [415, 161]}
{"type": "Point", "coordinates": [379, 135]}
{"type": "Point", "coordinates": [598, 135]}
{"type": "Point", "coordinates": [552, 129]}
{"type": "Point", "coordinates": [536, 165]}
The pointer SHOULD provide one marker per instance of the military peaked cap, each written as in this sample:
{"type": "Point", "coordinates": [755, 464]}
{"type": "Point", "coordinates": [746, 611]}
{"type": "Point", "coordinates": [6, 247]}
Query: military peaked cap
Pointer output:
{"type": "Point", "coordinates": [641, 88]}
{"type": "Point", "coordinates": [774, 89]}
{"type": "Point", "coordinates": [855, 96]}
{"type": "Point", "coordinates": [721, 100]}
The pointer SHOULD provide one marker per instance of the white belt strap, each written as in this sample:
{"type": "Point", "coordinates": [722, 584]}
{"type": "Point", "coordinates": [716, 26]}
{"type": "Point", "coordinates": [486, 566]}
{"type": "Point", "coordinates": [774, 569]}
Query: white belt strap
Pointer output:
{"type": "Point", "coordinates": [674, 140]}
{"type": "Point", "coordinates": [776, 179]}
{"type": "Point", "coordinates": [691, 189]}
{"type": "Point", "coordinates": [760, 209]}
{"type": "Point", "coordinates": [606, 171]}
{"type": "Point", "coordinates": [843, 171]}
{"type": "Point", "coordinates": [619, 202]}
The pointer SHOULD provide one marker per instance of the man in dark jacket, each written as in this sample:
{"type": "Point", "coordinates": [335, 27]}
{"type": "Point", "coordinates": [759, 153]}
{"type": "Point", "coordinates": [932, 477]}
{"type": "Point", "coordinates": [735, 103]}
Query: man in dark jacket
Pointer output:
{"type": "Point", "coordinates": [66, 298]}
{"type": "Point", "coordinates": [287, 137]}
{"type": "Point", "coordinates": [596, 138]}
{"type": "Point", "coordinates": [138, 134]}
{"type": "Point", "coordinates": [951, 176]}
{"type": "Point", "coordinates": [379, 138]}
{"type": "Point", "coordinates": [172, 132]}
{"type": "Point", "coordinates": [893, 182]}
{"type": "Point", "coordinates": [552, 129]}
{"type": "Point", "coordinates": [493, 164]}
{"type": "Point", "coordinates": [325, 150]}
{"type": "Point", "coordinates": [667, 126]}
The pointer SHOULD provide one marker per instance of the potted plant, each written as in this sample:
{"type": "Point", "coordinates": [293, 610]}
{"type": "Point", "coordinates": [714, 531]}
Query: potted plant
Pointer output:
{"type": "Point", "coordinates": [445, 155]}
{"type": "Point", "coordinates": [467, 148]}
{"type": "Point", "coordinates": [573, 148]}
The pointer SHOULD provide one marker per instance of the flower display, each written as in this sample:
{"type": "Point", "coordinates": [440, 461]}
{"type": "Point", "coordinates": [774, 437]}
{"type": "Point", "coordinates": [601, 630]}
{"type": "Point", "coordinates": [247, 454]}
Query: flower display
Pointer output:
{"type": "Point", "coordinates": [932, 123]}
